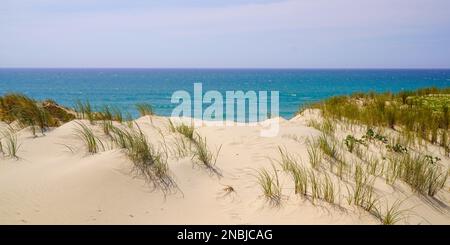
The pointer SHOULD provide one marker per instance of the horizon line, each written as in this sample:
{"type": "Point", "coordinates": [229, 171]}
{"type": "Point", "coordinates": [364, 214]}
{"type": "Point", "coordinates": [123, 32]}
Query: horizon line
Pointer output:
{"type": "Point", "coordinates": [242, 68]}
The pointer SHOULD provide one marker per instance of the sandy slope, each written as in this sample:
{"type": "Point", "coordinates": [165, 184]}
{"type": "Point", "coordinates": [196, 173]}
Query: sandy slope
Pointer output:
{"type": "Point", "coordinates": [50, 184]}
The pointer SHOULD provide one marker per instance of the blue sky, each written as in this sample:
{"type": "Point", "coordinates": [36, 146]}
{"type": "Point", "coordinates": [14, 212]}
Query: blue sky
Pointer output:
{"type": "Point", "coordinates": [233, 33]}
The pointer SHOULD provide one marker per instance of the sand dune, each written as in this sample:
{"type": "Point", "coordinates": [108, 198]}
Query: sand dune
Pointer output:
{"type": "Point", "coordinates": [56, 182]}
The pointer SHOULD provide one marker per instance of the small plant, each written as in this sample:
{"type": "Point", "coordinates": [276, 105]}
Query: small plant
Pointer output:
{"type": "Point", "coordinates": [351, 142]}
{"type": "Point", "coordinates": [398, 148]}
{"type": "Point", "coordinates": [144, 109]}
{"type": "Point", "coordinates": [182, 147]}
{"type": "Point", "coordinates": [117, 114]}
{"type": "Point", "coordinates": [392, 215]}
{"type": "Point", "coordinates": [300, 177]}
{"type": "Point", "coordinates": [373, 166]}
{"type": "Point", "coordinates": [381, 138]}
{"type": "Point", "coordinates": [391, 117]}
{"type": "Point", "coordinates": [270, 185]}
{"type": "Point", "coordinates": [314, 154]}
{"type": "Point", "coordinates": [84, 111]}
{"type": "Point", "coordinates": [105, 114]}
{"type": "Point", "coordinates": [202, 154]}
{"type": "Point", "coordinates": [120, 137]}
{"type": "Point", "coordinates": [107, 126]}
{"type": "Point", "coordinates": [432, 160]}
{"type": "Point", "coordinates": [129, 120]}
{"type": "Point", "coordinates": [371, 135]}
{"type": "Point", "coordinates": [328, 127]}
{"type": "Point", "coordinates": [316, 190]}
{"type": "Point", "coordinates": [393, 170]}
{"type": "Point", "coordinates": [363, 194]}
{"type": "Point", "coordinates": [148, 161]}
{"type": "Point", "coordinates": [328, 192]}
{"type": "Point", "coordinates": [11, 146]}
{"type": "Point", "coordinates": [287, 160]}
{"type": "Point", "coordinates": [299, 174]}
{"type": "Point", "coordinates": [92, 142]}
{"type": "Point", "coordinates": [328, 147]}
{"type": "Point", "coordinates": [187, 131]}
{"type": "Point", "coordinates": [423, 176]}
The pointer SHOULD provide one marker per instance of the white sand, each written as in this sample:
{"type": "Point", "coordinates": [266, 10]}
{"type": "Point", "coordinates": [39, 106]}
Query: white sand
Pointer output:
{"type": "Point", "coordinates": [49, 184]}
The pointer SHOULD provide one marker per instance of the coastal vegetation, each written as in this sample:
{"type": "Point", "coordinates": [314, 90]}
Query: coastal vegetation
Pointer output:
{"type": "Point", "coordinates": [423, 113]}
{"type": "Point", "coordinates": [368, 137]}
{"type": "Point", "coordinates": [30, 113]}
{"type": "Point", "coordinates": [400, 140]}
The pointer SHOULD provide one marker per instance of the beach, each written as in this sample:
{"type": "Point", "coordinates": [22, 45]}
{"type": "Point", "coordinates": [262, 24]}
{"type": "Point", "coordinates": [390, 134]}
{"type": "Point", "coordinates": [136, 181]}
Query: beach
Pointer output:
{"type": "Point", "coordinates": [56, 181]}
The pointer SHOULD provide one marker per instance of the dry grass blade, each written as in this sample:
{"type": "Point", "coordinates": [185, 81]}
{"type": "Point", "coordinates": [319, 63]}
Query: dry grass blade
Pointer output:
{"type": "Point", "coordinates": [92, 142]}
{"type": "Point", "coordinates": [270, 185]}
{"type": "Point", "coordinates": [9, 144]}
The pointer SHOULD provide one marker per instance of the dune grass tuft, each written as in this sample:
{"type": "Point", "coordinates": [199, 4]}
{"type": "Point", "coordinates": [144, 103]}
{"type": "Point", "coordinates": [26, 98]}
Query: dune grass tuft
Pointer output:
{"type": "Point", "coordinates": [27, 111]}
{"type": "Point", "coordinates": [201, 153]}
{"type": "Point", "coordinates": [144, 109]}
{"type": "Point", "coordinates": [423, 175]}
{"type": "Point", "coordinates": [423, 112]}
{"type": "Point", "coordinates": [186, 130]}
{"type": "Point", "coordinates": [270, 185]}
{"type": "Point", "coordinates": [392, 214]}
{"type": "Point", "coordinates": [107, 126]}
{"type": "Point", "coordinates": [363, 194]}
{"type": "Point", "coordinates": [182, 147]}
{"type": "Point", "coordinates": [84, 110]}
{"type": "Point", "coordinates": [90, 140]}
{"type": "Point", "coordinates": [314, 153]}
{"type": "Point", "coordinates": [329, 147]}
{"type": "Point", "coordinates": [9, 145]}
{"type": "Point", "coordinates": [148, 161]}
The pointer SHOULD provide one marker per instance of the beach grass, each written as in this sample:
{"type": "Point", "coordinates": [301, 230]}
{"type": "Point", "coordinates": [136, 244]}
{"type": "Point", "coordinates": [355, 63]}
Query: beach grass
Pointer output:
{"type": "Point", "coordinates": [84, 110]}
{"type": "Point", "coordinates": [202, 154]}
{"type": "Point", "coordinates": [91, 141]}
{"type": "Point", "coordinates": [30, 113]}
{"type": "Point", "coordinates": [183, 129]}
{"type": "Point", "coordinates": [270, 185]}
{"type": "Point", "coordinates": [393, 214]}
{"type": "Point", "coordinates": [9, 145]}
{"type": "Point", "coordinates": [362, 193]}
{"type": "Point", "coordinates": [145, 109]}
{"type": "Point", "coordinates": [424, 111]}
{"type": "Point", "coordinates": [423, 175]}
{"type": "Point", "coordinates": [314, 153]}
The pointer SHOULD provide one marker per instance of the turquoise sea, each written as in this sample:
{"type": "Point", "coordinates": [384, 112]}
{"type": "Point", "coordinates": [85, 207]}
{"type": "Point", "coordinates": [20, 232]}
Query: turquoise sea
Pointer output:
{"type": "Point", "coordinates": [125, 87]}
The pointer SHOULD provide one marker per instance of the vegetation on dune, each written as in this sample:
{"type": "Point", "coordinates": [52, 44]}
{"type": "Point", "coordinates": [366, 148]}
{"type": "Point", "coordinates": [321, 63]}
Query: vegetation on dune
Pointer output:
{"type": "Point", "coordinates": [353, 160]}
{"type": "Point", "coordinates": [424, 112]}
{"type": "Point", "coordinates": [395, 132]}
{"type": "Point", "coordinates": [149, 161]}
{"type": "Point", "coordinates": [144, 109]}
{"type": "Point", "coordinates": [44, 114]}
{"type": "Point", "coordinates": [109, 113]}
{"type": "Point", "coordinates": [270, 185]}
{"type": "Point", "coordinates": [31, 113]}
{"type": "Point", "coordinates": [185, 130]}
{"type": "Point", "coordinates": [9, 145]}
{"type": "Point", "coordinates": [91, 141]}
{"type": "Point", "coordinates": [393, 214]}
{"type": "Point", "coordinates": [84, 110]}
{"type": "Point", "coordinates": [203, 155]}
